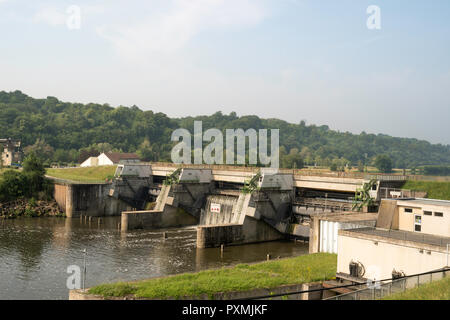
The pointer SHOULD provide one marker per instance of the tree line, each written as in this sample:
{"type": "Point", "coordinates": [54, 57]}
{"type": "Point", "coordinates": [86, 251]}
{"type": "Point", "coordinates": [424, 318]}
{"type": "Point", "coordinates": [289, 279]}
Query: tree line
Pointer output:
{"type": "Point", "coordinates": [65, 132]}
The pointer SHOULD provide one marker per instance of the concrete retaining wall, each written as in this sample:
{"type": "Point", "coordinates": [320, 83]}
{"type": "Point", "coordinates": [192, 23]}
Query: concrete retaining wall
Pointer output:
{"type": "Point", "coordinates": [170, 217]}
{"type": "Point", "coordinates": [250, 232]}
{"type": "Point", "coordinates": [80, 295]}
{"type": "Point", "coordinates": [87, 199]}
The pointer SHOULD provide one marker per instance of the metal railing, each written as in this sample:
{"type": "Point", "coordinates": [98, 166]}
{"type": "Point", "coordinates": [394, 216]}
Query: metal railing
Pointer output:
{"type": "Point", "coordinates": [403, 235]}
{"type": "Point", "coordinates": [365, 291]}
{"type": "Point", "coordinates": [295, 172]}
{"type": "Point", "coordinates": [376, 291]}
{"type": "Point", "coordinates": [395, 193]}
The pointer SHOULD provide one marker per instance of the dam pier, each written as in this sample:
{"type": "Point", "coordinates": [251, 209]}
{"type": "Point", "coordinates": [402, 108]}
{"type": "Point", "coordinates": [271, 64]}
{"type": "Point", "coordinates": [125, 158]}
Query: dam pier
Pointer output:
{"type": "Point", "coordinates": [228, 205]}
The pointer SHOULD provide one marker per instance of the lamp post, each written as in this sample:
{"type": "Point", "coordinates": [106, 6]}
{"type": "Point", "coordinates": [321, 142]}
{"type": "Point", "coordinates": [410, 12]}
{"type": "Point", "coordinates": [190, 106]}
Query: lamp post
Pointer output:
{"type": "Point", "coordinates": [84, 269]}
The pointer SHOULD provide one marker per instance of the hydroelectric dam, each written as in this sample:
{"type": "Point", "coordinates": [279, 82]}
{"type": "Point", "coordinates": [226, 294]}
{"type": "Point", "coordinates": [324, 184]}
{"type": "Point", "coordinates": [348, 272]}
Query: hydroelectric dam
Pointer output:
{"type": "Point", "coordinates": [229, 205]}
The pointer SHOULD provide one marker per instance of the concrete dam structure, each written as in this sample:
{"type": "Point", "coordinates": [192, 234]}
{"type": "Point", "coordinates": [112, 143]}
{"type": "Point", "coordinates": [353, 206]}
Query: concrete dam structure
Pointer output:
{"type": "Point", "coordinates": [224, 216]}
{"type": "Point", "coordinates": [229, 205]}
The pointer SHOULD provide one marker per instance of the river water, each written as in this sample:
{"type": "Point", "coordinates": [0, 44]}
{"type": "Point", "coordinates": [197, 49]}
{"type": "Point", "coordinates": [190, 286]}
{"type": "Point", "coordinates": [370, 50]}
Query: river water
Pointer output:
{"type": "Point", "coordinates": [36, 252]}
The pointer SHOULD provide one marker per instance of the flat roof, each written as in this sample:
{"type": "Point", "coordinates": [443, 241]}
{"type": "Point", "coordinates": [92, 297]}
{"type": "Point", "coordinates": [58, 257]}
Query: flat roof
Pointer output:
{"type": "Point", "coordinates": [404, 235]}
{"type": "Point", "coordinates": [423, 201]}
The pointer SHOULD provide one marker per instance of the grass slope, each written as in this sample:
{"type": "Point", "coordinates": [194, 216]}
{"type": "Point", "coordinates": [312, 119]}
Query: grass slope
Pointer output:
{"type": "Point", "coordinates": [438, 290]}
{"type": "Point", "coordinates": [87, 174]}
{"type": "Point", "coordinates": [302, 269]}
{"type": "Point", "coordinates": [435, 189]}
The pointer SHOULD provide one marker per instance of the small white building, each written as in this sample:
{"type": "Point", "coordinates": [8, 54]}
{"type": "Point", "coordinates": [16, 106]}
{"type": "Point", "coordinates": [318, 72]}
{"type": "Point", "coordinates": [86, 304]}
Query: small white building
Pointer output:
{"type": "Point", "coordinates": [111, 158]}
{"type": "Point", "coordinates": [90, 162]}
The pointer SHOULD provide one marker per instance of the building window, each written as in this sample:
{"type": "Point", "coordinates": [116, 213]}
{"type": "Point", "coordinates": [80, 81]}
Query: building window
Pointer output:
{"type": "Point", "coordinates": [408, 210]}
{"type": "Point", "coordinates": [428, 213]}
{"type": "Point", "coordinates": [418, 223]}
{"type": "Point", "coordinates": [438, 214]}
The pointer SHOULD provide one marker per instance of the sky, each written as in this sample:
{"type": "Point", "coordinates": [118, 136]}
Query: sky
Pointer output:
{"type": "Point", "coordinates": [295, 60]}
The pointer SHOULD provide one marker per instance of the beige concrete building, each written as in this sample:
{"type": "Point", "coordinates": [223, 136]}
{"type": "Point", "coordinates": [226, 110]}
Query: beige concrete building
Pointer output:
{"type": "Point", "coordinates": [411, 236]}
{"type": "Point", "coordinates": [424, 216]}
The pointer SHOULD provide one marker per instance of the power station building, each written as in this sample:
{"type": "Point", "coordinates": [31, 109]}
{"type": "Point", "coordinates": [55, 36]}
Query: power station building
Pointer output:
{"type": "Point", "coordinates": [411, 236]}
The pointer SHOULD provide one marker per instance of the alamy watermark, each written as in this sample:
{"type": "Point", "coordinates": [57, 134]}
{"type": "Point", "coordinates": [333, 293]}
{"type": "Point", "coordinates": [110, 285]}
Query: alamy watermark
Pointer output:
{"type": "Point", "coordinates": [374, 19]}
{"type": "Point", "coordinates": [77, 277]}
{"type": "Point", "coordinates": [374, 277]}
{"type": "Point", "coordinates": [74, 279]}
{"type": "Point", "coordinates": [73, 21]}
{"type": "Point", "coordinates": [213, 152]}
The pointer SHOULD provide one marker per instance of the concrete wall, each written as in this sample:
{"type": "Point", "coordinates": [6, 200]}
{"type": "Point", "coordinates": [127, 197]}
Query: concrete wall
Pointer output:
{"type": "Point", "coordinates": [165, 214]}
{"type": "Point", "coordinates": [171, 217]}
{"type": "Point", "coordinates": [250, 232]}
{"type": "Point", "coordinates": [273, 207]}
{"type": "Point", "coordinates": [224, 204]}
{"type": "Point", "coordinates": [387, 215]}
{"type": "Point", "coordinates": [59, 194]}
{"type": "Point", "coordinates": [380, 257]}
{"type": "Point", "coordinates": [80, 295]}
{"type": "Point", "coordinates": [87, 199]}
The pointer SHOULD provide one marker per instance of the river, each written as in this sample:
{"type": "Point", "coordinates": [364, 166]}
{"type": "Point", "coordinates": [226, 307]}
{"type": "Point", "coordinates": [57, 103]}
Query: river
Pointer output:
{"type": "Point", "coordinates": [36, 252]}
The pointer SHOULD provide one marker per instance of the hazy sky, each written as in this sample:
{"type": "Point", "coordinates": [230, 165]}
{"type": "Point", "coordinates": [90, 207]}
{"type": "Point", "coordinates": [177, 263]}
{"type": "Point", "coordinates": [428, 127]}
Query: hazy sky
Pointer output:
{"type": "Point", "coordinates": [290, 59]}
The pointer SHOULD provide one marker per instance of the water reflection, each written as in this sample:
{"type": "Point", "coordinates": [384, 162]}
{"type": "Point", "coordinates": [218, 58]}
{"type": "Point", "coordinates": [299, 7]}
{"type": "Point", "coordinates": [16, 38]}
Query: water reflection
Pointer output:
{"type": "Point", "coordinates": [35, 254]}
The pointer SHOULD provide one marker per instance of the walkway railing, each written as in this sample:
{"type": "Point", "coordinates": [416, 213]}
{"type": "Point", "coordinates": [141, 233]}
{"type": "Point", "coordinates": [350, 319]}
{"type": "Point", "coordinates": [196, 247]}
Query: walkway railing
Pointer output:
{"type": "Point", "coordinates": [376, 291]}
{"type": "Point", "coordinates": [368, 291]}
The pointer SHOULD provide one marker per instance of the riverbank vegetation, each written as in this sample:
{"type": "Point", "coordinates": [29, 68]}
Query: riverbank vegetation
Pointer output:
{"type": "Point", "coordinates": [64, 132]}
{"type": "Point", "coordinates": [87, 174]}
{"type": "Point", "coordinates": [434, 189]}
{"type": "Point", "coordinates": [27, 192]}
{"type": "Point", "coordinates": [437, 290]}
{"type": "Point", "coordinates": [243, 277]}
{"type": "Point", "coordinates": [29, 208]}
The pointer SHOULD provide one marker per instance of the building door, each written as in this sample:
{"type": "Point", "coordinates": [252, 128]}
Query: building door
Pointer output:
{"type": "Point", "coordinates": [328, 236]}
{"type": "Point", "coordinates": [417, 223]}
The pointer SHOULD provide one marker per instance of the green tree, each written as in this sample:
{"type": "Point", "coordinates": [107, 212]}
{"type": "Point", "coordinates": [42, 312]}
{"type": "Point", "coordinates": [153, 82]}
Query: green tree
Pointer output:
{"type": "Point", "coordinates": [334, 166]}
{"type": "Point", "coordinates": [12, 185]}
{"type": "Point", "coordinates": [360, 166]}
{"type": "Point", "coordinates": [34, 173]}
{"type": "Point", "coordinates": [145, 151]}
{"type": "Point", "coordinates": [75, 126]}
{"type": "Point", "coordinates": [383, 163]}
{"type": "Point", "coordinates": [41, 149]}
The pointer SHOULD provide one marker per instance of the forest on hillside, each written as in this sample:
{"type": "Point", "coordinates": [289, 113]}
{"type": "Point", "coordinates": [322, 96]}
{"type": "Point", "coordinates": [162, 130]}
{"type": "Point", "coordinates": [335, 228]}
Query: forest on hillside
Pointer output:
{"type": "Point", "coordinates": [68, 132]}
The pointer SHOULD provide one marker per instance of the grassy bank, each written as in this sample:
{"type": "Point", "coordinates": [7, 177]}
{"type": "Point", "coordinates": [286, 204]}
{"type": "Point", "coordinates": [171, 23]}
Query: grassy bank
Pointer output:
{"type": "Point", "coordinates": [435, 189]}
{"type": "Point", "coordinates": [298, 270]}
{"type": "Point", "coordinates": [438, 290]}
{"type": "Point", "coordinates": [88, 174]}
